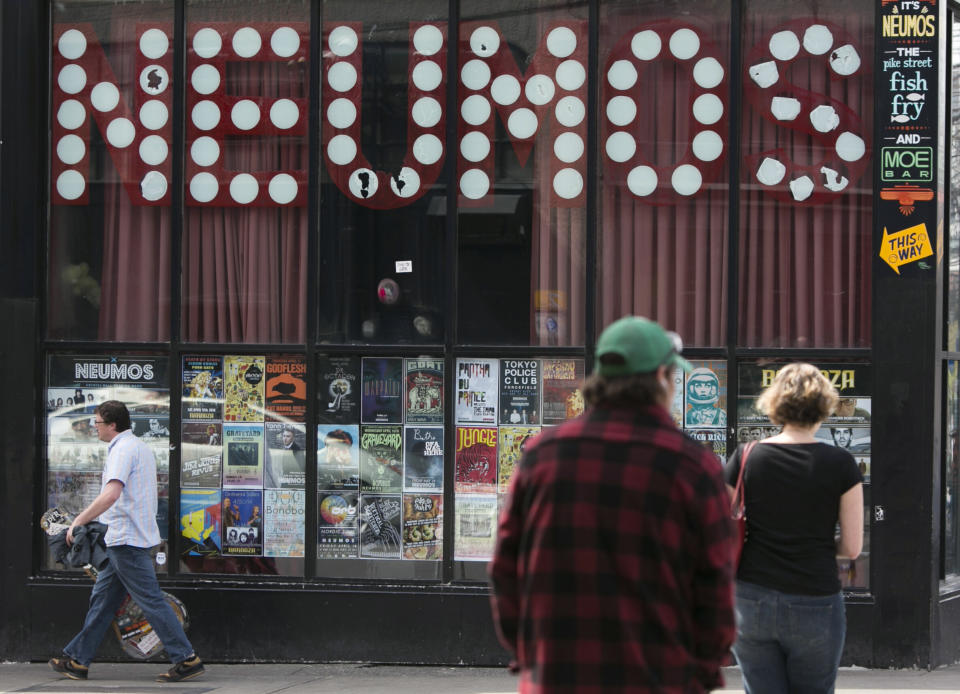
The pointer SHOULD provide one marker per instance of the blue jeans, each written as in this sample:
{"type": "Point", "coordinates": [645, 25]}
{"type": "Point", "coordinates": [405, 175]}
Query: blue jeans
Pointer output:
{"type": "Point", "coordinates": [788, 644]}
{"type": "Point", "coordinates": [130, 570]}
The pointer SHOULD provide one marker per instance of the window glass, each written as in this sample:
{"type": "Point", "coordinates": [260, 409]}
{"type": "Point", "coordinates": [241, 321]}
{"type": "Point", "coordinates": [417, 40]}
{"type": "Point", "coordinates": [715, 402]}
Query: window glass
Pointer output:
{"type": "Point", "coordinates": [75, 456]}
{"type": "Point", "coordinates": [383, 265]}
{"type": "Point", "coordinates": [501, 405]}
{"type": "Point", "coordinates": [849, 427]}
{"type": "Point", "coordinates": [521, 171]}
{"type": "Point", "coordinates": [380, 467]}
{"type": "Point", "coordinates": [664, 162]}
{"type": "Point", "coordinates": [806, 196]}
{"type": "Point", "coordinates": [111, 98]}
{"type": "Point", "coordinates": [953, 274]}
{"type": "Point", "coordinates": [246, 158]}
{"type": "Point", "coordinates": [243, 460]}
{"type": "Point", "coordinates": [951, 481]}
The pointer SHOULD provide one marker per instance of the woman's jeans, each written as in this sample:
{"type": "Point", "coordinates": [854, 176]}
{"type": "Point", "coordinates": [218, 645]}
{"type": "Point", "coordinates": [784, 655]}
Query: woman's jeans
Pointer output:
{"type": "Point", "coordinates": [788, 644]}
{"type": "Point", "coordinates": [130, 570]}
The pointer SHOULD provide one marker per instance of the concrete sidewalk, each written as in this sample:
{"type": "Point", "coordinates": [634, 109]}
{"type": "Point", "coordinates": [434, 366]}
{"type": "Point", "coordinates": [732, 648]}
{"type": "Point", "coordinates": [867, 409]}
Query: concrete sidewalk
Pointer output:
{"type": "Point", "coordinates": [138, 678]}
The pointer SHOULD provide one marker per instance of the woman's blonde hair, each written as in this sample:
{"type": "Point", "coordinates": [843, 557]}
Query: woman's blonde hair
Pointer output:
{"type": "Point", "coordinates": [800, 394]}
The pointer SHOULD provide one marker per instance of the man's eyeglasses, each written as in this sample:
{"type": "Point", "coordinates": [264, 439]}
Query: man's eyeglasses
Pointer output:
{"type": "Point", "coordinates": [98, 421]}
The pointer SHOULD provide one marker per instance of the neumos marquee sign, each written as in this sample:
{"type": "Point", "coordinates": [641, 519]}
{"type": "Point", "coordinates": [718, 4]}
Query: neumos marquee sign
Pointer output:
{"type": "Point", "coordinates": [542, 105]}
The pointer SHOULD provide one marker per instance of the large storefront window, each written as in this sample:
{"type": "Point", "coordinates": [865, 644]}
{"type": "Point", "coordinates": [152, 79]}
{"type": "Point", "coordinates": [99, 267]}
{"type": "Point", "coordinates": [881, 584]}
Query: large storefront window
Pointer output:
{"type": "Point", "coordinates": [521, 172]}
{"type": "Point", "coordinates": [245, 234]}
{"type": "Point", "coordinates": [110, 222]}
{"type": "Point", "coordinates": [951, 438]}
{"type": "Point", "coordinates": [806, 195]}
{"type": "Point", "coordinates": [664, 161]}
{"type": "Point", "coordinates": [383, 269]}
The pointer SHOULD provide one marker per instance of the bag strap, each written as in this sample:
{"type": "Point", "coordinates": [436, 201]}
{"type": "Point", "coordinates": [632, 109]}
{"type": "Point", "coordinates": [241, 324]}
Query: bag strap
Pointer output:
{"type": "Point", "coordinates": [739, 496]}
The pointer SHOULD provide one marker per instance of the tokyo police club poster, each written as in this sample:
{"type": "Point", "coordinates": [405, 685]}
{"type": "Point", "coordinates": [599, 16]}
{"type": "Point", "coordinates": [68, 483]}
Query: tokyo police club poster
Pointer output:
{"type": "Point", "coordinates": [519, 391]}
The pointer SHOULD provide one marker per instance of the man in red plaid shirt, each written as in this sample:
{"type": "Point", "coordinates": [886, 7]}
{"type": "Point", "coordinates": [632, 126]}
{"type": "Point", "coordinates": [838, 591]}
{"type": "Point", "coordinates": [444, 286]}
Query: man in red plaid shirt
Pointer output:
{"type": "Point", "coordinates": [613, 570]}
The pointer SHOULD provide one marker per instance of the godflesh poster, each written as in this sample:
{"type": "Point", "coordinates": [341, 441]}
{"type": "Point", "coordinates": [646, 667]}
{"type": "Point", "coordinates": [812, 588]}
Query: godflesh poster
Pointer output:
{"type": "Point", "coordinates": [338, 392]}
{"type": "Point", "coordinates": [284, 511]}
{"type": "Point", "coordinates": [284, 464]}
{"type": "Point", "coordinates": [705, 395]}
{"type": "Point", "coordinates": [338, 456]}
{"type": "Point", "coordinates": [338, 528]}
{"type": "Point", "coordinates": [476, 527]}
{"type": "Point", "coordinates": [424, 398]}
{"type": "Point", "coordinates": [519, 391]}
{"type": "Point", "coordinates": [381, 458]}
{"type": "Point", "coordinates": [242, 518]}
{"type": "Point", "coordinates": [477, 387]}
{"type": "Point", "coordinates": [423, 526]}
{"type": "Point", "coordinates": [380, 518]}
{"type": "Point", "coordinates": [200, 522]}
{"type": "Point", "coordinates": [562, 398]}
{"type": "Point", "coordinates": [201, 397]}
{"type": "Point", "coordinates": [201, 454]}
{"type": "Point", "coordinates": [243, 455]}
{"type": "Point", "coordinates": [476, 460]}
{"type": "Point", "coordinates": [423, 459]}
{"type": "Point", "coordinates": [286, 388]}
{"type": "Point", "coordinates": [243, 388]}
{"type": "Point", "coordinates": [382, 398]}
{"type": "Point", "coordinates": [512, 441]}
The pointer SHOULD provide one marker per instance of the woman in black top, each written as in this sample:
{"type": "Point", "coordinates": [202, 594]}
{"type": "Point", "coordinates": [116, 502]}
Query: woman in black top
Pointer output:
{"type": "Point", "coordinates": [790, 614]}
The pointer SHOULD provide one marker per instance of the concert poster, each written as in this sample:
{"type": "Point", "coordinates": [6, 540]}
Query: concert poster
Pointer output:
{"type": "Point", "coordinates": [380, 531]}
{"type": "Point", "coordinates": [477, 389]}
{"type": "Point", "coordinates": [476, 527]}
{"type": "Point", "coordinates": [284, 463]}
{"type": "Point", "coordinates": [284, 511]}
{"type": "Point", "coordinates": [714, 440]}
{"type": "Point", "coordinates": [512, 441]}
{"type": "Point", "coordinates": [242, 522]}
{"type": "Point", "coordinates": [705, 395]}
{"type": "Point", "coordinates": [201, 454]}
{"type": "Point", "coordinates": [423, 526]}
{"type": "Point", "coordinates": [200, 522]}
{"type": "Point", "coordinates": [152, 430]}
{"type": "Point", "coordinates": [286, 388]}
{"type": "Point", "coordinates": [338, 392]}
{"type": "Point", "coordinates": [338, 529]}
{"type": "Point", "coordinates": [72, 490]}
{"type": "Point", "coordinates": [381, 401]}
{"type": "Point", "coordinates": [201, 396]}
{"type": "Point", "coordinates": [243, 388]}
{"type": "Point", "coordinates": [338, 456]}
{"type": "Point", "coordinates": [381, 458]}
{"type": "Point", "coordinates": [243, 455]}
{"type": "Point", "coordinates": [423, 459]}
{"type": "Point", "coordinates": [424, 394]}
{"type": "Point", "coordinates": [562, 398]}
{"type": "Point", "coordinates": [519, 391]}
{"type": "Point", "coordinates": [476, 460]}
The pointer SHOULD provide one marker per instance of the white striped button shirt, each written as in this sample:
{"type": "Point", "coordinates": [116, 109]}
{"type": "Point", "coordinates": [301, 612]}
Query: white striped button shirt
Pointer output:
{"type": "Point", "coordinates": [132, 520]}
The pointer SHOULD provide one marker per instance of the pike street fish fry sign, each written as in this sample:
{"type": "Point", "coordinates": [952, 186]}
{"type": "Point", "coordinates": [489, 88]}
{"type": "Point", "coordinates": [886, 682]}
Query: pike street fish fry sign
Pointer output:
{"type": "Point", "coordinates": [906, 108]}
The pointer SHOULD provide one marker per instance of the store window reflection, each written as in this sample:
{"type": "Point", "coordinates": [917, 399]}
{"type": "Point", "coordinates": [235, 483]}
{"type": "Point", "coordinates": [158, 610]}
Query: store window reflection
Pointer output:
{"type": "Point", "coordinates": [951, 481]}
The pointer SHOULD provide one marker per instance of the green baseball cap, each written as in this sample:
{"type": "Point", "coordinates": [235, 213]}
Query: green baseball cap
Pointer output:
{"type": "Point", "coordinates": [642, 344]}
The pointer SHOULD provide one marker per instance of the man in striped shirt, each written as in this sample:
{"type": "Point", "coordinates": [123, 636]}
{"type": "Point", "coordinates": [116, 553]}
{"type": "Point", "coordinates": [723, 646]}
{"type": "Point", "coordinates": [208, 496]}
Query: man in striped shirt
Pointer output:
{"type": "Point", "coordinates": [127, 504]}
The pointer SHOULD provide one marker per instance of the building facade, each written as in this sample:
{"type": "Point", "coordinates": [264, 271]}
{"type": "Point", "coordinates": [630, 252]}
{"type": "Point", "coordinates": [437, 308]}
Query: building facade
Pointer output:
{"type": "Point", "coordinates": [343, 259]}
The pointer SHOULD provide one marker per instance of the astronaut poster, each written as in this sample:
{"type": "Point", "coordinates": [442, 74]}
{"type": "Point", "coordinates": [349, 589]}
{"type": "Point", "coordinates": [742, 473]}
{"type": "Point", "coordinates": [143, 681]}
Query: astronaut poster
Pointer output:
{"type": "Point", "coordinates": [705, 395]}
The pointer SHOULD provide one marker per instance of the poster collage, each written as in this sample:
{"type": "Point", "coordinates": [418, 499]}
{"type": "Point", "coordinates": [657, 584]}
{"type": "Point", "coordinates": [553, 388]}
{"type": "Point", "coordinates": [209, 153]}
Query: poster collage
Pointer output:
{"type": "Point", "coordinates": [848, 427]}
{"type": "Point", "coordinates": [501, 405]}
{"type": "Point", "coordinates": [243, 456]}
{"type": "Point", "coordinates": [380, 440]}
{"type": "Point", "coordinates": [75, 455]}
